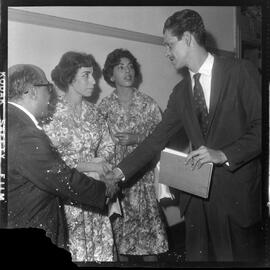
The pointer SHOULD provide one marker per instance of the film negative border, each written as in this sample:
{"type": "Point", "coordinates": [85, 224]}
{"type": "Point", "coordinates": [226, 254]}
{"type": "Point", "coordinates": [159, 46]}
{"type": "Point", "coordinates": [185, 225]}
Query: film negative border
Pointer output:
{"type": "Point", "coordinates": [3, 193]}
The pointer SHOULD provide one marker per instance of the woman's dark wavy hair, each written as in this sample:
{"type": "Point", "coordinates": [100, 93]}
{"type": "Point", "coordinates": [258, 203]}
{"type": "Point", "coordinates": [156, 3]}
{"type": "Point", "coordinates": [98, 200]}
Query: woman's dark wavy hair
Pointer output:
{"type": "Point", "coordinates": [65, 71]}
{"type": "Point", "coordinates": [113, 59]}
{"type": "Point", "coordinates": [186, 20]}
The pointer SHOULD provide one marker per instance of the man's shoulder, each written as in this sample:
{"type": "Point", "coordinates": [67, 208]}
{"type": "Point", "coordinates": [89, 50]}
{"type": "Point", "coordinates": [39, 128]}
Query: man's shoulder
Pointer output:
{"type": "Point", "coordinates": [230, 63]}
{"type": "Point", "coordinates": [235, 69]}
{"type": "Point", "coordinates": [17, 121]}
{"type": "Point", "coordinates": [13, 120]}
{"type": "Point", "coordinates": [20, 127]}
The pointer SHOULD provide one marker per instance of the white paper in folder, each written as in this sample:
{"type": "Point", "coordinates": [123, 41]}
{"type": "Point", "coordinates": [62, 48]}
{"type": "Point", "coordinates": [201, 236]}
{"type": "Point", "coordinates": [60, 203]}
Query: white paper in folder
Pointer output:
{"type": "Point", "coordinates": [162, 191]}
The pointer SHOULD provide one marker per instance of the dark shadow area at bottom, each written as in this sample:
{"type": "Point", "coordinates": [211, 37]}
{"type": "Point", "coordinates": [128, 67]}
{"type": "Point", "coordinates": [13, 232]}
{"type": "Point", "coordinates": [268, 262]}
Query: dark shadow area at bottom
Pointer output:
{"type": "Point", "coordinates": [31, 247]}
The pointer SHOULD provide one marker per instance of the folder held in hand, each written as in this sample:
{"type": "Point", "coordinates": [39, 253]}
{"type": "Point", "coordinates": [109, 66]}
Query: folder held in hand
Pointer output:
{"type": "Point", "coordinates": [174, 173]}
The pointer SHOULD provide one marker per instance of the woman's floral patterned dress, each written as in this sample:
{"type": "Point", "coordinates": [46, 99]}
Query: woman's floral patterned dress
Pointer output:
{"type": "Point", "coordinates": [140, 231]}
{"type": "Point", "coordinates": [81, 138]}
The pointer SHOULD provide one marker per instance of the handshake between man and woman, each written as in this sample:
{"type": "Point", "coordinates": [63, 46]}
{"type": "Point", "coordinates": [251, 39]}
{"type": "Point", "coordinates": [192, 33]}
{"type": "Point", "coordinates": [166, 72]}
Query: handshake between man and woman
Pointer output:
{"type": "Point", "coordinates": [112, 183]}
{"type": "Point", "coordinates": [101, 170]}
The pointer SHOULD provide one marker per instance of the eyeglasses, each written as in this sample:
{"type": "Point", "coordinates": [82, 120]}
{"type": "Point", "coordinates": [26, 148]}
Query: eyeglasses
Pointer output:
{"type": "Point", "coordinates": [50, 86]}
{"type": "Point", "coordinates": [170, 46]}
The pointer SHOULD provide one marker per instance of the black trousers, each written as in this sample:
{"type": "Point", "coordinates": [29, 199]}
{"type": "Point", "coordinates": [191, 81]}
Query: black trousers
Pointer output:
{"type": "Point", "coordinates": [212, 236]}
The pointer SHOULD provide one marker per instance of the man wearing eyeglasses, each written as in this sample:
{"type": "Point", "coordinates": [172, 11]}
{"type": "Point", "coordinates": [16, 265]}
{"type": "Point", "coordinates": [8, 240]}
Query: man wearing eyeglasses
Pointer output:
{"type": "Point", "coordinates": [39, 181]}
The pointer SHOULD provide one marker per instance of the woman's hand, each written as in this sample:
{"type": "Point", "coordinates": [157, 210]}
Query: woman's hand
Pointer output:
{"type": "Point", "coordinates": [112, 187]}
{"type": "Point", "coordinates": [97, 165]}
{"type": "Point", "coordinates": [125, 138]}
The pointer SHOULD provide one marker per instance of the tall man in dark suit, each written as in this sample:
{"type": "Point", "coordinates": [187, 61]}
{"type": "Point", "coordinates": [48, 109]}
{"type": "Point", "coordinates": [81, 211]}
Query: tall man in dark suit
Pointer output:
{"type": "Point", "coordinates": [39, 181]}
{"type": "Point", "coordinates": [219, 106]}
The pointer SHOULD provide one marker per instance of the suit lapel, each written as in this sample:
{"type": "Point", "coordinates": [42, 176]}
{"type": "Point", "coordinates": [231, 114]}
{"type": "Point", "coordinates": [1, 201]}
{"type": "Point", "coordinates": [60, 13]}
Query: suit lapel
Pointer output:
{"type": "Point", "coordinates": [216, 87]}
{"type": "Point", "coordinates": [193, 130]}
{"type": "Point", "coordinates": [193, 127]}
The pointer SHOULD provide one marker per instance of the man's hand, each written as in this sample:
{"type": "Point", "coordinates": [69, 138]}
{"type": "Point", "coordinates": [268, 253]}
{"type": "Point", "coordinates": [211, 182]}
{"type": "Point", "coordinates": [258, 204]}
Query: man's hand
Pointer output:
{"type": "Point", "coordinates": [115, 174]}
{"type": "Point", "coordinates": [111, 186]}
{"type": "Point", "coordinates": [204, 155]}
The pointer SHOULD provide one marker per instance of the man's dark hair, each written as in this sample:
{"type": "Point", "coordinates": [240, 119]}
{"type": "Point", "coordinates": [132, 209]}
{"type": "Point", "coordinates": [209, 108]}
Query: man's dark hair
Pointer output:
{"type": "Point", "coordinates": [186, 20]}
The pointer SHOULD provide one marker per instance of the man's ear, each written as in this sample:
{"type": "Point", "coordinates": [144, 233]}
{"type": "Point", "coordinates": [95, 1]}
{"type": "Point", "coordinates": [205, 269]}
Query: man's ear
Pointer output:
{"type": "Point", "coordinates": [187, 36]}
{"type": "Point", "coordinates": [32, 92]}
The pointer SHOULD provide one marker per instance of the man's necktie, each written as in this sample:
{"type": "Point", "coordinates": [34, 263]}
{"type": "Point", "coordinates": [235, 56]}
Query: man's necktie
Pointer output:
{"type": "Point", "coordinates": [200, 104]}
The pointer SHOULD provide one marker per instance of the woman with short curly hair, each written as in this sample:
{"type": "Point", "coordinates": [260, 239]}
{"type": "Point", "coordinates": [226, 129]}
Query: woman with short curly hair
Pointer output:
{"type": "Point", "coordinates": [131, 116]}
{"type": "Point", "coordinates": [83, 140]}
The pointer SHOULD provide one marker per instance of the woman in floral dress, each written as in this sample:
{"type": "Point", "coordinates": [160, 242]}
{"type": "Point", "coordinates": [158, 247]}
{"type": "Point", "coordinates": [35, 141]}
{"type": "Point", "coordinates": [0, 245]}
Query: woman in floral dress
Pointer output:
{"type": "Point", "coordinates": [131, 116]}
{"type": "Point", "coordinates": [84, 142]}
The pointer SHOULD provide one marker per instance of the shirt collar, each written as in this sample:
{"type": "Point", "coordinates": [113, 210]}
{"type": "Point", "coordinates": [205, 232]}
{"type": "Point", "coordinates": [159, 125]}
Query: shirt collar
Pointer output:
{"type": "Point", "coordinates": [206, 67]}
{"type": "Point", "coordinates": [32, 117]}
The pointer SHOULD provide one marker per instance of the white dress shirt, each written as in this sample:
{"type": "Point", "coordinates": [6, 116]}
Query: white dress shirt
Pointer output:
{"type": "Point", "coordinates": [206, 77]}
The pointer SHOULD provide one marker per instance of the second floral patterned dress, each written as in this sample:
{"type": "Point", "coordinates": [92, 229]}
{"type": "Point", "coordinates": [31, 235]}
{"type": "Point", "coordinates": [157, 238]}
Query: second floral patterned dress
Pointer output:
{"type": "Point", "coordinates": [81, 138]}
{"type": "Point", "coordinates": [140, 231]}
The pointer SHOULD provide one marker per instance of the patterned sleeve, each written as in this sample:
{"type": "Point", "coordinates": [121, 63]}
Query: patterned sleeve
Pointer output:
{"type": "Point", "coordinates": [103, 108]}
{"type": "Point", "coordinates": [154, 116]}
{"type": "Point", "coordinates": [106, 145]}
{"type": "Point", "coordinates": [58, 132]}
{"type": "Point", "coordinates": [51, 130]}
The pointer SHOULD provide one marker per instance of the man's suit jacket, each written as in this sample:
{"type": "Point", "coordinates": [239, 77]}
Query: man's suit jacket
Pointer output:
{"type": "Point", "coordinates": [39, 181]}
{"type": "Point", "coordinates": [234, 127]}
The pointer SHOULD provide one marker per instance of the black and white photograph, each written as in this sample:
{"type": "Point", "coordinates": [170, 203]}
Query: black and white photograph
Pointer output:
{"type": "Point", "coordinates": [135, 135]}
